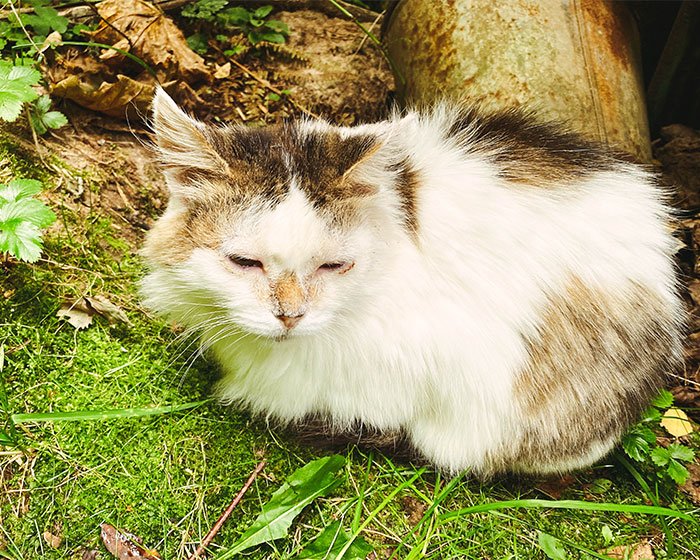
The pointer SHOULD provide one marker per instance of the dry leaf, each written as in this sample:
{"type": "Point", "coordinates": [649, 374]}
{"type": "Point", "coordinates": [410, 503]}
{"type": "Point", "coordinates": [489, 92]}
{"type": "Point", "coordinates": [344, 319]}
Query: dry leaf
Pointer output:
{"type": "Point", "coordinates": [54, 541]}
{"type": "Point", "coordinates": [223, 71]}
{"type": "Point", "coordinates": [555, 487]}
{"type": "Point", "coordinates": [123, 546]}
{"type": "Point", "coordinates": [145, 31]}
{"type": "Point", "coordinates": [125, 97]}
{"type": "Point", "coordinates": [80, 312]}
{"type": "Point", "coordinates": [638, 551]}
{"type": "Point", "coordinates": [676, 422]}
{"type": "Point", "coordinates": [77, 315]}
{"type": "Point", "coordinates": [53, 38]}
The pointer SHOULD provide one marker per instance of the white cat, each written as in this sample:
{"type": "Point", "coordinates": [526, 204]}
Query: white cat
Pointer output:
{"type": "Point", "coordinates": [500, 292]}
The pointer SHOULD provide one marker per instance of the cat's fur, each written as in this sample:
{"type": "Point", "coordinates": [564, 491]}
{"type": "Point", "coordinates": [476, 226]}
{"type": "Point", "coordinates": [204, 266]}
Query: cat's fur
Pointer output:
{"type": "Point", "coordinates": [499, 291]}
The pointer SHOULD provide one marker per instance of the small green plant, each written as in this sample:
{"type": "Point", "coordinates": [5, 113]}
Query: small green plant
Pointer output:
{"type": "Point", "coordinates": [641, 446]}
{"type": "Point", "coordinates": [253, 23]}
{"type": "Point", "coordinates": [22, 217]}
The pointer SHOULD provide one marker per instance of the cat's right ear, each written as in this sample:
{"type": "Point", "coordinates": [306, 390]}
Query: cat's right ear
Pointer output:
{"type": "Point", "coordinates": [185, 149]}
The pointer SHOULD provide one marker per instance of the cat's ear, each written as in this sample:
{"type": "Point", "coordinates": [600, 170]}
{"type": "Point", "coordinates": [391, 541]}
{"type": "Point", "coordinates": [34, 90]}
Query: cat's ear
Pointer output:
{"type": "Point", "coordinates": [185, 148]}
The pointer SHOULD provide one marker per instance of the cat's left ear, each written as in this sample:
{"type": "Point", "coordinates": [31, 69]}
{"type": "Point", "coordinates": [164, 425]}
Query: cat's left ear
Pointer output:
{"type": "Point", "coordinates": [184, 145]}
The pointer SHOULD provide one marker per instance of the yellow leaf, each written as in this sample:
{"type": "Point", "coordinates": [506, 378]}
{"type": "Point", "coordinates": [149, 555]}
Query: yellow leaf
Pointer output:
{"type": "Point", "coordinates": [676, 422]}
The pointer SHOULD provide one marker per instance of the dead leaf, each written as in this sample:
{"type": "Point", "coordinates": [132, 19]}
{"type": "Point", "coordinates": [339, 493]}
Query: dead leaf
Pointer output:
{"type": "Point", "coordinates": [124, 98]}
{"type": "Point", "coordinates": [555, 487]}
{"type": "Point", "coordinates": [223, 71]}
{"type": "Point", "coordinates": [691, 487]}
{"type": "Point", "coordinates": [123, 546]}
{"type": "Point", "coordinates": [80, 312]}
{"type": "Point", "coordinates": [146, 32]}
{"type": "Point", "coordinates": [102, 306]}
{"type": "Point", "coordinates": [53, 38]}
{"type": "Point", "coordinates": [54, 541]}
{"type": "Point", "coordinates": [638, 551]}
{"type": "Point", "coordinates": [78, 316]}
{"type": "Point", "coordinates": [89, 555]}
{"type": "Point", "coordinates": [676, 422]}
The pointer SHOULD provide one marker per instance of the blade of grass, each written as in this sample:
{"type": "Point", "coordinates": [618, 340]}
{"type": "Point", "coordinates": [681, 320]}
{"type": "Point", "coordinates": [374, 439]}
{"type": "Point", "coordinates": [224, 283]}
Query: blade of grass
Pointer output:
{"type": "Point", "coordinates": [378, 509]}
{"type": "Point", "coordinates": [670, 545]}
{"type": "Point", "coordinates": [84, 415]}
{"type": "Point", "coordinates": [569, 504]}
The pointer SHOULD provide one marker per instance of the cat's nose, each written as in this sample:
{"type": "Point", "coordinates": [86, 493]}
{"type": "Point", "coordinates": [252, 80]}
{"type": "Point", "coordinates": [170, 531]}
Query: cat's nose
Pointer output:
{"type": "Point", "coordinates": [290, 321]}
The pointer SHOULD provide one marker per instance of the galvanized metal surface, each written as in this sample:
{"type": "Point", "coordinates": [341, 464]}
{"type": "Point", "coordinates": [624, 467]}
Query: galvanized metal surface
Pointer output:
{"type": "Point", "coordinates": [576, 61]}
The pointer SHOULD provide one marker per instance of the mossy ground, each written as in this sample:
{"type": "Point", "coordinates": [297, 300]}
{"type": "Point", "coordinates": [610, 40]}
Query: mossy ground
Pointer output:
{"type": "Point", "coordinates": [167, 478]}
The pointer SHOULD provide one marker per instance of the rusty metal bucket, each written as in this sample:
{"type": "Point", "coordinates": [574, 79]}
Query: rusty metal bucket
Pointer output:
{"type": "Point", "coordinates": [575, 61]}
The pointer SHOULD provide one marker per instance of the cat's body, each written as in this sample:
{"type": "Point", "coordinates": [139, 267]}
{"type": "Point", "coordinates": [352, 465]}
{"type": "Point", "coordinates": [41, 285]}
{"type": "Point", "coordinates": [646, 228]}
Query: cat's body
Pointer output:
{"type": "Point", "coordinates": [501, 292]}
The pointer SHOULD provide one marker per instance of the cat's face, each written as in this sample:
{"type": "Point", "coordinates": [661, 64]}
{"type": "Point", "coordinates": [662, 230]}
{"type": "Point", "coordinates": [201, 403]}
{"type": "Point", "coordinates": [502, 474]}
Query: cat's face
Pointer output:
{"type": "Point", "coordinates": [277, 228]}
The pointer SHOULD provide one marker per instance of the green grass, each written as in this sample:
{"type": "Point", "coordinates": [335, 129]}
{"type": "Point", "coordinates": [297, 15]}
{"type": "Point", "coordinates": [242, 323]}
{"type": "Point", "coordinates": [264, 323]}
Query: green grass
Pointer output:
{"type": "Point", "coordinates": [167, 477]}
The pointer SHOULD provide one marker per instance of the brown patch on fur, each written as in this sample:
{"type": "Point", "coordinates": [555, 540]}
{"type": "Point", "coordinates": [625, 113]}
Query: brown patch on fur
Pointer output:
{"type": "Point", "coordinates": [597, 363]}
{"type": "Point", "coordinates": [407, 182]}
{"type": "Point", "coordinates": [529, 152]}
{"type": "Point", "coordinates": [289, 296]}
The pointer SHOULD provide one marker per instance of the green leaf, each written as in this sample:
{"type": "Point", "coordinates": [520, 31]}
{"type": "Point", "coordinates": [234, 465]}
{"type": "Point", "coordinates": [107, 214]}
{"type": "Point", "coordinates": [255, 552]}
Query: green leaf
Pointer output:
{"type": "Point", "coordinates": [651, 414]}
{"type": "Point", "coordinates": [26, 210]}
{"type": "Point", "coordinates": [44, 20]}
{"type": "Point", "coordinates": [19, 189]}
{"type": "Point", "coordinates": [203, 9]}
{"type": "Point", "coordinates": [677, 472]}
{"type": "Point", "coordinates": [256, 22]}
{"type": "Point", "coordinates": [660, 456]}
{"type": "Point", "coordinates": [23, 241]}
{"type": "Point", "coordinates": [277, 26]}
{"type": "Point", "coordinates": [16, 89]}
{"type": "Point", "coordinates": [663, 400]}
{"type": "Point", "coordinates": [681, 452]}
{"type": "Point", "coordinates": [551, 546]}
{"type": "Point", "coordinates": [636, 443]}
{"type": "Point", "coordinates": [235, 17]}
{"type": "Point", "coordinates": [600, 486]}
{"type": "Point", "coordinates": [607, 533]}
{"type": "Point", "coordinates": [256, 36]}
{"type": "Point", "coordinates": [262, 12]}
{"type": "Point", "coordinates": [307, 483]}
{"type": "Point", "coordinates": [198, 43]}
{"type": "Point", "coordinates": [329, 543]}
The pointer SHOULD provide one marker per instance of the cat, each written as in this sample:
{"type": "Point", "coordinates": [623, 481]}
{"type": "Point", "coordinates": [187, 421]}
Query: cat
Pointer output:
{"type": "Point", "coordinates": [499, 290]}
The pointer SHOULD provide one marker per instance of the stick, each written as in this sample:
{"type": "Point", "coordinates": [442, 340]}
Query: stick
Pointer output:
{"type": "Point", "coordinates": [224, 516]}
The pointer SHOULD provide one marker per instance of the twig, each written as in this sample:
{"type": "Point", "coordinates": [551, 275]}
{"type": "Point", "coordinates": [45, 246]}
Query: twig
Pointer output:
{"type": "Point", "coordinates": [35, 137]}
{"type": "Point", "coordinates": [224, 516]}
{"type": "Point", "coordinates": [266, 84]}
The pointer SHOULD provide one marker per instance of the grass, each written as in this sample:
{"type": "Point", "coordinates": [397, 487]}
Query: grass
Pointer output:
{"type": "Point", "coordinates": [166, 477]}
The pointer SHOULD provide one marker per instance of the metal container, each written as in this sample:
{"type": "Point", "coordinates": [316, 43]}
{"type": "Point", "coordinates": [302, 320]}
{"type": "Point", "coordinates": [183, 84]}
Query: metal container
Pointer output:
{"type": "Point", "coordinates": [575, 61]}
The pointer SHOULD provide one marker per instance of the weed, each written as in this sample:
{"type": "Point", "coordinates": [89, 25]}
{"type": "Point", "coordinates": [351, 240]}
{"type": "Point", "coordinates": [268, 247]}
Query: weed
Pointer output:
{"type": "Point", "coordinates": [253, 23]}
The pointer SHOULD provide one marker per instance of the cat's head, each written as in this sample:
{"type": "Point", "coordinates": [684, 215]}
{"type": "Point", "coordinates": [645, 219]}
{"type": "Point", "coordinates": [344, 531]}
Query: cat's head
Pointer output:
{"type": "Point", "coordinates": [281, 229]}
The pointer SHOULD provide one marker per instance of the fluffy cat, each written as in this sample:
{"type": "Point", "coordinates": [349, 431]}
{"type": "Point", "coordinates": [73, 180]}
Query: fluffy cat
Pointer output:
{"type": "Point", "coordinates": [499, 291]}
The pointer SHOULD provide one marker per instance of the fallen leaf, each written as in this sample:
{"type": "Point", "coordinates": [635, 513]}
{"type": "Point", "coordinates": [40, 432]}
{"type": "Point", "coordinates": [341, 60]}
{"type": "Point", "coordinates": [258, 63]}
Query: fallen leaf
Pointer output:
{"type": "Point", "coordinates": [123, 546]}
{"type": "Point", "coordinates": [555, 487]}
{"type": "Point", "coordinates": [691, 487]}
{"type": "Point", "coordinates": [102, 306]}
{"type": "Point", "coordinates": [125, 98]}
{"type": "Point", "coordinates": [146, 32]}
{"type": "Point", "coordinates": [89, 555]}
{"type": "Point", "coordinates": [80, 312]}
{"type": "Point", "coordinates": [52, 39]}
{"type": "Point", "coordinates": [54, 541]}
{"type": "Point", "coordinates": [223, 71]}
{"type": "Point", "coordinates": [676, 422]}
{"type": "Point", "coordinates": [76, 315]}
{"type": "Point", "coordinates": [638, 551]}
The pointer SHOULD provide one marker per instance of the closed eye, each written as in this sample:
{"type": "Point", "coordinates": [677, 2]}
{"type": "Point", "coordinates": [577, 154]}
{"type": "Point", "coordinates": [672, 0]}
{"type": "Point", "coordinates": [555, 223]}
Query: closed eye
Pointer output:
{"type": "Point", "coordinates": [341, 267]}
{"type": "Point", "coordinates": [245, 262]}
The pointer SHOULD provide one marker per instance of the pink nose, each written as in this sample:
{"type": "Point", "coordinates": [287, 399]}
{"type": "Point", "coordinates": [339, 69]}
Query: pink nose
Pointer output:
{"type": "Point", "coordinates": [289, 321]}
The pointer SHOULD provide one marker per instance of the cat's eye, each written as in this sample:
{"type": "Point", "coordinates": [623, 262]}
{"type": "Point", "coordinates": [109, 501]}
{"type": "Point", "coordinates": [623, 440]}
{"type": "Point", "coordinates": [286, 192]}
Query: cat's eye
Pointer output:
{"type": "Point", "coordinates": [244, 262]}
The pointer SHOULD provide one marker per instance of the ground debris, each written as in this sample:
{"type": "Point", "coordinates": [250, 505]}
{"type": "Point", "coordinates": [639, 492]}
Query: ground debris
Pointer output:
{"type": "Point", "coordinates": [125, 546]}
{"type": "Point", "coordinates": [79, 313]}
{"type": "Point", "coordinates": [691, 487]}
{"type": "Point", "coordinates": [636, 551]}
